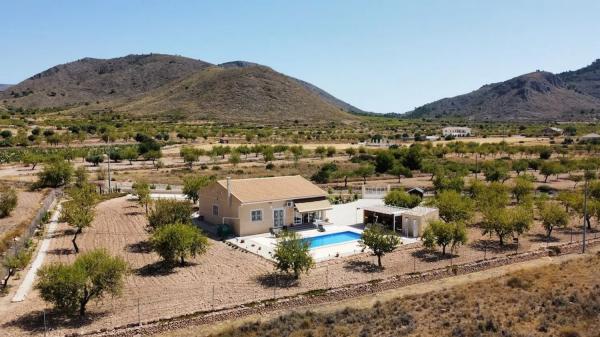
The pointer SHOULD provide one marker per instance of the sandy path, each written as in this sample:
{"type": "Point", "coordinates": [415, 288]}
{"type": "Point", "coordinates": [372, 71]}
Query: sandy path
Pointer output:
{"type": "Point", "coordinates": [27, 283]}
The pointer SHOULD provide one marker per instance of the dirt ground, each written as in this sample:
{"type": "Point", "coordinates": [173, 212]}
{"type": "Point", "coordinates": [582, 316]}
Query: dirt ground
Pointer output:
{"type": "Point", "coordinates": [223, 277]}
{"type": "Point", "coordinates": [27, 205]}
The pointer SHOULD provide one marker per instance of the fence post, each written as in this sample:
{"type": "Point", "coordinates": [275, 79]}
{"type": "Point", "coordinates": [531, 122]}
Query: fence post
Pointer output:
{"type": "Point", "coordinates": [139, 314]}
{"type": "Point", "coordinates": [213, 297]}
{"type": "Point", "coordinates": [45, 325]}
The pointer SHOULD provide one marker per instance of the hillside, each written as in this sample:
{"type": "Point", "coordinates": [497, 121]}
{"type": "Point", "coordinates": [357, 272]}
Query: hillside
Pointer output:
{"type": "Point", "coordinates": [175, 87]}
{"type": "Point", "coordinates": [544, 301]}
{"type": "Point", "coordinates": [537, 96]}
{"type": "Point", "coordinates": [254, 93]}
{"type": "Point", "coordinates": [91, 80]}
{"type": "Point", "coordinates": [4, 86]}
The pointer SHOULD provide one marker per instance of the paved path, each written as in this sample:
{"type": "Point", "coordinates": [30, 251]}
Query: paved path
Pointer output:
{"type": "Point", "coordinates": [27, 283]}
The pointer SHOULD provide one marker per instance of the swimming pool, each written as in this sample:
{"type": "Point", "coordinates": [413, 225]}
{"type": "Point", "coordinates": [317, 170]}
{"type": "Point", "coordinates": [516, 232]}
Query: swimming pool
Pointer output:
{"type": "Point", "coordinates": [330, 239]}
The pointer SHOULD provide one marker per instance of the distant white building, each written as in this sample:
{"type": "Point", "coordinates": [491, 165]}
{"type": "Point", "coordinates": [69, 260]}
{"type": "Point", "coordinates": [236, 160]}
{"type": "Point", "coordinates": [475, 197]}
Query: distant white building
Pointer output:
{"type": "Point", "coordinates": [590, 137]}
{"type": "Point", "coordinates": [456, 131]}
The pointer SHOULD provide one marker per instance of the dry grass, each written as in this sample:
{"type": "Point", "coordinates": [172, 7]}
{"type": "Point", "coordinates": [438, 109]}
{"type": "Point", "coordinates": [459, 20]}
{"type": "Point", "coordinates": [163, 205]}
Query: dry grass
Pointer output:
{"type": "Point", "coordinates": [13, 226]}
{"type": "Point", "coordinates": [546, 301]}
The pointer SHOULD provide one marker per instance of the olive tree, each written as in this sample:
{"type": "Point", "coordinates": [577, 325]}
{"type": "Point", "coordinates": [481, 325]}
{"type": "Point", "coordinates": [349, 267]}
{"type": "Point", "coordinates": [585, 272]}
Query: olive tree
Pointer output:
{"type": "Point", "coordinates": [142, 190]}
{"type": "Point", "coordinates": [192, 186]}
{"type": "Point", "coordinates": [442, 234]}
{"type": "Point", "coordinates": [70, 287]}
{"type": "Point", "coordinates": [79, 210]}
{"type": "Point", "coordinates": [379, 240]}
{"type": "Point", "coordinates": [177, 242]}
{"type": "Point", "coordinates": [553, 217]}
{"type": "Point", "coordinates": [167, 211]}
{"type": "Point", "coordinates": [400, 198]}
{"type": "Point", "coordinates": [14, 263]}
{"type": "Point", "coordinates": [453, 206]}
{"type": "Point", "coordinates": [56, 173]}
{"type": "Point", "coordinates": [292, 254]}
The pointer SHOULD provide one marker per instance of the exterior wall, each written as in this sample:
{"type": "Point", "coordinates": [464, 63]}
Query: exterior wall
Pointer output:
{"type": "Point", "coordinates": [456, 131]}
{"type": "Point", "coordinates": [215, 194]}
{"type": "Point", "coordinates": [421, 222]}
{"type": "Point", "coordinates": [249, 227]}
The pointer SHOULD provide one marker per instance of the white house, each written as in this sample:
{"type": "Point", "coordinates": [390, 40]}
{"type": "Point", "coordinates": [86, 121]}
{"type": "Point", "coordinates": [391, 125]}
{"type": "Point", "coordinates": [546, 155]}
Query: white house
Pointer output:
{"type": "Point", "coordinates": [456, 131]}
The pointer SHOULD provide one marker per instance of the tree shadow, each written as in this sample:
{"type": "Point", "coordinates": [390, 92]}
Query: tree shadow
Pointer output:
{"type": "Point", "coordinates": [135, 213]}
{"type": "Point", "coordinates": [427, 255]}
{"type": "Point", "coordinates": [143, 247]}
{"type": "Point", "coordinates": [159, 268]}
{"type": "Point", "coordinates": [60, 233]}
{"type": "Point", "coordinates": [492, 246]}
{"type": "Point", "coordinates": [277, 280]}
{"type": "Point", "coordinates": [362, 266]}
{"type": "Point", "coordinates": [542, 238]}
{"type": "Point", "coordinates": [33, 322]}
{"type": "Point", "coordinates": [61, 251]}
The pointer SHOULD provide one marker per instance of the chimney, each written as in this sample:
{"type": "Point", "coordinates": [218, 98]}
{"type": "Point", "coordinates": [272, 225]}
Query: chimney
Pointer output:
{"type": "Point", "coordinates": [229, 190]}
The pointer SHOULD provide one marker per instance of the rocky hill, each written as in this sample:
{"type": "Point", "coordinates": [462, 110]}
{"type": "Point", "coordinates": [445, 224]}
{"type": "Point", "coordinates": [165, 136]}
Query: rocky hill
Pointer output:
{"type": "Point", "coordinates": [173, 86]}
{"type": "Point", "coordinates": [536, 96]}
{"type": "Point", "coordinates": [4, 86]}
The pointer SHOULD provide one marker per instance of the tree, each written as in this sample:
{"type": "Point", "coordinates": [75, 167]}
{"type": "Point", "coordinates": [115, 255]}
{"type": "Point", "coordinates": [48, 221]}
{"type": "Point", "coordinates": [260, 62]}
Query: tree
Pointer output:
{"type": "Point", "coordinates": [384, 161]}
{"type": "Point", "coordinates": [453, 207]}
{"type": "Point", "coordinates": [14, 263]}
{"type": "Point", "coordinates": [130, 153]}
{"type": "Point", "coordinates": [268, 154]}
{"type": "Point", "coordinates": [443, 234]}
{"type": "Point", "coordinates": [292, 254]}
{"type": "Point", "coordinates": [79, 211]}
{"type": "Point", "coordinates": [189, 155]}
{"type": "Point", "coordinates": [8, 200]}
{"type": "Point", "coordinates": [331, 151]}
{"type": "Point", "coordinates": [549, 168]}
{"type": "Point", "coordinates": [167, 211]}
{"type": "Point", "coordinates": [522, 189]}
{"type": "Point", "coordinates": [320, 151]}
{"type": "Point", "coordinates": [93, 275]}
{"type": "Point", "coordinates": [350, 151]}
{"type": "Point", "coordinates": [178, 241]}
{"type": "Point", "coordinates": [56, 173]}
{"type": "Point", "coordinates": [297, 152]}
{"type": "Point", "coordinates": [192, 186]}
{"type": "Point", "coordinates": [520, 165]}
{"type": "Point", "coordinates": [400, 198]}
{"type": "Point", "coordinates": [399, 170]}
{"type": "Point", "coordinates": [153, 156]}
{"type": "Point", "coordinates": [234, 158]}
{"type": "Point", "coordinates": [553, 217]}
{"type": "Point", "coordinates": [142, 190]}
{"type": "Point", "coordinates": [497, 170]}
{"type": "Point", "coordinates": [365, 171]}
{"type": "Point", "coordinates": [379, 240]}
{"type": "Point", "coordinates": [31, 159]}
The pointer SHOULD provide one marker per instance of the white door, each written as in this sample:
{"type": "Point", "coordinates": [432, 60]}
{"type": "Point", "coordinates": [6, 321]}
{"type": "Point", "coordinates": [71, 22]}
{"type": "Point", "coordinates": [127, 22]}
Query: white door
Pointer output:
{"type": "Point", "coordinates": [278, 218]}
{"type": "Point", "coordinates": [415, 229]}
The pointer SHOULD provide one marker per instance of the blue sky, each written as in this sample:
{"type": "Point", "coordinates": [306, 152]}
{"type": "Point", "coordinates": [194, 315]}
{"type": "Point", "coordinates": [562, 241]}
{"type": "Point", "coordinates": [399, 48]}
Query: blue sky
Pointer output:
{"type": "Point", "coordinates": [381, 56]}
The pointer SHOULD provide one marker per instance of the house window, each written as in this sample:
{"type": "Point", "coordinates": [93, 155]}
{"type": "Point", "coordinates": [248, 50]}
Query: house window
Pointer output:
{"type": "Point", "coordinates": [256, 215]}
{"type": "Point", "coordinates": [215, 210]}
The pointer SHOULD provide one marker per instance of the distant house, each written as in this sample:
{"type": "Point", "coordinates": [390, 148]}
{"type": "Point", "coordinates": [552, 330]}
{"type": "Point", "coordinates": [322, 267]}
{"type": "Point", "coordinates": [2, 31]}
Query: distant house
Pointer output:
{"type": "Point", "coordinates": [552, 132]}
{"type": "Point", "coordinates": [590, 138]}
{"type": "Point", "coordinates": [417, 191]}
{"type": "Point", "coordinates": [432, 138]}
{"type": "Point", "coordinates": [456, 131]}
{"type": "Point", "coordinates": [254, 206]}
{"type": "Point", "coordinates": [410, 222]}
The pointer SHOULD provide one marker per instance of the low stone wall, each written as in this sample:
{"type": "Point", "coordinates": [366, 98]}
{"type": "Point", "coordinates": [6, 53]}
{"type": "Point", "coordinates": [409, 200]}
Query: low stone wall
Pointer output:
{"type": "Point", "coordinates": [316, 297]}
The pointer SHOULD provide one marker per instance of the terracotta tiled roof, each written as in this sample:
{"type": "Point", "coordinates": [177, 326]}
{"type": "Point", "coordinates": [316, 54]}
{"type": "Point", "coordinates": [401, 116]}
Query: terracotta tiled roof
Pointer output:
{"type": "Point", "coordinates": [272, 188]}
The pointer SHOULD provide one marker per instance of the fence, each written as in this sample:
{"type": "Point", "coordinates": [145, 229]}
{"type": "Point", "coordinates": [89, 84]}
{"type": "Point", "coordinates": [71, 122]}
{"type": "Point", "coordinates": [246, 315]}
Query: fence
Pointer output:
{"type": "Point", "coordinates": [152, 299]}
{"type": "Point", "coordinates": [34, 225]}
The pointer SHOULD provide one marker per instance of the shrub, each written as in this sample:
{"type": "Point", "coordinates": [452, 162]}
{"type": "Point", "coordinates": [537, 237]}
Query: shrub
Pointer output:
{"type": "Point", "coordinates": [55, 174]}
{"type": "Point", "coordinates": [8, 200]}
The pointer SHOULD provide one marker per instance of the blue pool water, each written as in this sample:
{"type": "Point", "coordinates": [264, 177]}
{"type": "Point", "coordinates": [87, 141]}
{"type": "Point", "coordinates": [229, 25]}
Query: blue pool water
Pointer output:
{"type": "Point", "coordinates": [330, 239]}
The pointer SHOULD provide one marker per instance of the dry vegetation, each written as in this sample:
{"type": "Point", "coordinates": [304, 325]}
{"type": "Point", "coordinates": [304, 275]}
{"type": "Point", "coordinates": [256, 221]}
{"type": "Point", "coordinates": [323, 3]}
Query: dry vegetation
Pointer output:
{"type": "Point", "coordinates": [13, 226]}
{"type": "Point", "coordinates": [546, 301]}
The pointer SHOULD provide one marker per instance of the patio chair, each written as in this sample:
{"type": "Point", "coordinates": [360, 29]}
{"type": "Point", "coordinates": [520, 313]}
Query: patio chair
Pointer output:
{"type": "Point", "coordinates": [320, 228]}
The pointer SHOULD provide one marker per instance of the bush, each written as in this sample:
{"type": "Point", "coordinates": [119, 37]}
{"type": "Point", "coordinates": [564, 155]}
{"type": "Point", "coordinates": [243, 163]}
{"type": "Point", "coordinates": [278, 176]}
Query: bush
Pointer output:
{"type": "Point", "coordinates": [401, 198]}
{"type": "Point", "coordinates": [8, 200]}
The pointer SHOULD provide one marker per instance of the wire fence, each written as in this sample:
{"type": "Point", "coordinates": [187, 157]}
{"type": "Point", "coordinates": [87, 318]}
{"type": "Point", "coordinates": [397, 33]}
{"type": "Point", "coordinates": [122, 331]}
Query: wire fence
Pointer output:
{"type": "Point", "coordinates": [34, 226]}
{"type": "Point", "coordinates": [153, 300]}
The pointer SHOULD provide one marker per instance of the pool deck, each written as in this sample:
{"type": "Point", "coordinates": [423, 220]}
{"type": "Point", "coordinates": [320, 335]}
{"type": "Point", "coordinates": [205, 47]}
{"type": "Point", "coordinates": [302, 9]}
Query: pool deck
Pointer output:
{"type": "Point", "coordinates": [344, 217]}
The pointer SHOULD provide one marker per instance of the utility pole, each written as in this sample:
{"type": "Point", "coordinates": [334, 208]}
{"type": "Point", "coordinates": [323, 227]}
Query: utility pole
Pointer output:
{"type": "Point", "coordinates": [585, 214]}
{"type": "Point", "coordinates": [108, 155]}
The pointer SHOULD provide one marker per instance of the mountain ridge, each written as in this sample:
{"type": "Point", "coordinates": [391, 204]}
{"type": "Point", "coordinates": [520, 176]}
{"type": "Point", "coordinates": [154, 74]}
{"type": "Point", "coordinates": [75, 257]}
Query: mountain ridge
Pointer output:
{"type": "Point", "coordinates": [125, 84]}
{"type": "Point", "coordinates": [535, 96]}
